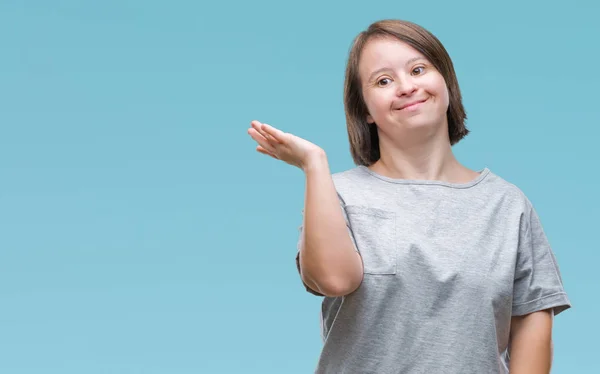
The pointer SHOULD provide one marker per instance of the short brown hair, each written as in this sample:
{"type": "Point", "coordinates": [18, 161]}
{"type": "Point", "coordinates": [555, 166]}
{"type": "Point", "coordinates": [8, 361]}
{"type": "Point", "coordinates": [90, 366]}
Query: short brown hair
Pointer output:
{"type": "Point", "coordinates": [364, 139]}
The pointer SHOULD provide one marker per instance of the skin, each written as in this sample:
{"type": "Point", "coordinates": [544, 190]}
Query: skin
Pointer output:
{"type": "Point", "coordinates": [414, 141]}
{"type": "Point", "coordinates": [328, 262]}
{"type": "Point", "coordinates": [531, 343]}
{"type": "Point", "coordinates": [414, 144]}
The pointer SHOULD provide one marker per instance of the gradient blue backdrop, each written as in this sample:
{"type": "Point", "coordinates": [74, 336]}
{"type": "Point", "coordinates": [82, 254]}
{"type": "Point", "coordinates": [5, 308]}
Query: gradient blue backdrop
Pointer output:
{"type": "Point", "coordinates": [140, 232]}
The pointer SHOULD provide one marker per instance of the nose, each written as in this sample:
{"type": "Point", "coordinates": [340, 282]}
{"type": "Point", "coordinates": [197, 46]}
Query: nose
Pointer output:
{"type": "Point", "coordinates": [406, 87]}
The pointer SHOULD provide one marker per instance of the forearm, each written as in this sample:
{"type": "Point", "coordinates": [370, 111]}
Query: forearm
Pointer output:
{"type": "Point", "coordinates": [531, 345]}
{"type": "Point", "coordinates": [327, 256]}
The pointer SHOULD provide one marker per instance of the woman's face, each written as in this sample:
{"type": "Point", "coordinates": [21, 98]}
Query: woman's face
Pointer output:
{"type": "Point", "coordinates": [401, 88]}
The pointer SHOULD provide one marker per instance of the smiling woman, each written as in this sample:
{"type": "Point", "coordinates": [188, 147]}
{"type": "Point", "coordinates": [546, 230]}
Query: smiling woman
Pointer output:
{"type": "Point", "coordinates": [392, 57]}
{"type": "Point", "coordinates": [425, 266]}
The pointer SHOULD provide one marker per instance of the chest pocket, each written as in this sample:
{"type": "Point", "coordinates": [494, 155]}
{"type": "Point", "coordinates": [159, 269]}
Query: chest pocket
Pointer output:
{"type": "Point", "coordinates": [374, 232]}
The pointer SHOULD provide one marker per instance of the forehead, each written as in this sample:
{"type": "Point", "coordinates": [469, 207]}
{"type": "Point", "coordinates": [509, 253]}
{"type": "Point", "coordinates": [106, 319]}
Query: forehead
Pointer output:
{"type": "Point", "coordinates": [382, 52]}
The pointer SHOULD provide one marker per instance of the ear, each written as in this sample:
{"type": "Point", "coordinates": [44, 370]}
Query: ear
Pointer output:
{"type": "Point", "coordinates": [370, 120]}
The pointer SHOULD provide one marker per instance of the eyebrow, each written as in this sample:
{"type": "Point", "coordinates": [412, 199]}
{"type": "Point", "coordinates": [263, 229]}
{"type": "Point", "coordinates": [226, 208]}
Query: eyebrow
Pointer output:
{"type": "Point", "coordinates": [414, 59]}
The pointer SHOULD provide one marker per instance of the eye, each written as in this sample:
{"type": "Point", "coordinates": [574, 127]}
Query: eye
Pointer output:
{"type": "Point", "coordinates": [383, 82]}
{"type": "Point", "coordinates": [418, 70]}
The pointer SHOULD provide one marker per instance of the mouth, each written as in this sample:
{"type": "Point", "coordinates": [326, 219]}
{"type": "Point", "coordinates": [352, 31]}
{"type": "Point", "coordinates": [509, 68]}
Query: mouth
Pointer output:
{"type": "Point", "coordinates": [413, 105]}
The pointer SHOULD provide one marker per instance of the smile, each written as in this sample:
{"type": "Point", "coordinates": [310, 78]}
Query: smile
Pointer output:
{"type": "Point", "coordinates": [413, 106]}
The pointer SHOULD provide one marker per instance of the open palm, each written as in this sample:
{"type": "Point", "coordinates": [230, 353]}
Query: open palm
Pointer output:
{"type": "Point", "coordinates": [283, 146]}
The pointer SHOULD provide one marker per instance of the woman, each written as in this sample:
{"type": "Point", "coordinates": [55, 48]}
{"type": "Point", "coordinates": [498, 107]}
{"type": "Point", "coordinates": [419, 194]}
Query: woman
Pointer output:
{"type": "Point", "coordinates": [428, 267]}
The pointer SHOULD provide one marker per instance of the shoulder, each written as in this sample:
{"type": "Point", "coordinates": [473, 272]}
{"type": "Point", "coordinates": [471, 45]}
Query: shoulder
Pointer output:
{"type": "Point", "coordinates": [356, 180]}
{"type": "Point", "coordinates": [508, 193]}
{"type": "Point", "coordinates": [349, 176]}
{"type": "Point", "coordinates": [502, 185]}
{"type": "Point", "coordinates": [355, 185]}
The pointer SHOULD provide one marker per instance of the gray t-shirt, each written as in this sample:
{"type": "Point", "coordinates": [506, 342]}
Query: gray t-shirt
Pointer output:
{"type": "Point", "coordinates": [446, 266]}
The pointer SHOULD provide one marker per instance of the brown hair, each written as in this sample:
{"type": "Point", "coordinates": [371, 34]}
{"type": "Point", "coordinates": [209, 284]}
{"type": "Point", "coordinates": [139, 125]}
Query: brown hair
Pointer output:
{"type": "Point", "coordinates": [364, 139]}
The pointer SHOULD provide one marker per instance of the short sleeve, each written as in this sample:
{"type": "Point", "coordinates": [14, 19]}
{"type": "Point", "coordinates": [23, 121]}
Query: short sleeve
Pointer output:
{"type": "Point", "coordinates": [300, 228]}
{"type": "Point", "coordinates": [538, 284]}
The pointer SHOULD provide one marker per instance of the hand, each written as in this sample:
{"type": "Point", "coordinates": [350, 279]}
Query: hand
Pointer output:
{"type": "Point", "coordinates": [284, 146]}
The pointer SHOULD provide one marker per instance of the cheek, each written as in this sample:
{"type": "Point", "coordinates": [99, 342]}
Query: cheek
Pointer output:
{"type": "Point", "coordinates": [443, 94]}
{"type": "Point", "coordinates": [371, 106]}
{"type": "Point", "coordinates": [446, 97]}
{"type": "Point", "coordinates": [439, 88]}
{"type": "Point", "coordinates": [375, 103]}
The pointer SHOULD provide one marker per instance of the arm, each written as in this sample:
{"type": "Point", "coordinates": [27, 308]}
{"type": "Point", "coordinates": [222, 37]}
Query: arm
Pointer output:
{"type": "Point", "coordinates": [531, 343]}
{"type": "Point", "coordinates": [328, 261]}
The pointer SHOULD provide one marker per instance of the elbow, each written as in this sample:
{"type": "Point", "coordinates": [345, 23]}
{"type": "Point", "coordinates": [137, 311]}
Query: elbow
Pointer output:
{"type": "Point", "coordinates": [336, 287]}
{"type": "Point", "coordinates": [338, 291]}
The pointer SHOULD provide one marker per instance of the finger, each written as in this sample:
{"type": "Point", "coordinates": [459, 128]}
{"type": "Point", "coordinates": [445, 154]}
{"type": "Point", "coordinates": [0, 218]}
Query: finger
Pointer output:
{"type": "Point", "coordinates": [270, 138]}
{"type": "Point", "coordinates": [261, 129]}
{"type": "Point", "coordinates": [265, 152]}
{"type": "Point", "coordinates": [261, 140]}
{"type": "Point", "coordinates": [277, 134]}
{"type": "Point", "coordinates": [256, 125]}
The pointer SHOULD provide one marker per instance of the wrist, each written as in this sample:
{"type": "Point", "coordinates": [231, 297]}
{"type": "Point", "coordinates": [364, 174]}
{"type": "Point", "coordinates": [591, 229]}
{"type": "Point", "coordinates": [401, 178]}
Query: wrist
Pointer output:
{"type": "Point", "coordinates": [315, 162]}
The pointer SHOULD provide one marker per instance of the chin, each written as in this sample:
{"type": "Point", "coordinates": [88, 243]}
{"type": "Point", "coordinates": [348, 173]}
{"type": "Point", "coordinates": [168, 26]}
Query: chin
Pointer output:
{"type": "Point", "coordinates": [425, 120]}
{"type": "Point", "coordinates": [420, 122]}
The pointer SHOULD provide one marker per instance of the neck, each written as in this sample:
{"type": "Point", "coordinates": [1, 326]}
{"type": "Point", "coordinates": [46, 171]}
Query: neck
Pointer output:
{"type": "Point", "coordinates": [423, 158]}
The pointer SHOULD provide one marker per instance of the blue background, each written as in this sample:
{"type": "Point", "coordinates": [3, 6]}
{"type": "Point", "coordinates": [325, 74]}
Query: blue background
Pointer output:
{"type": "Point", "coordinates": [140, 232]}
